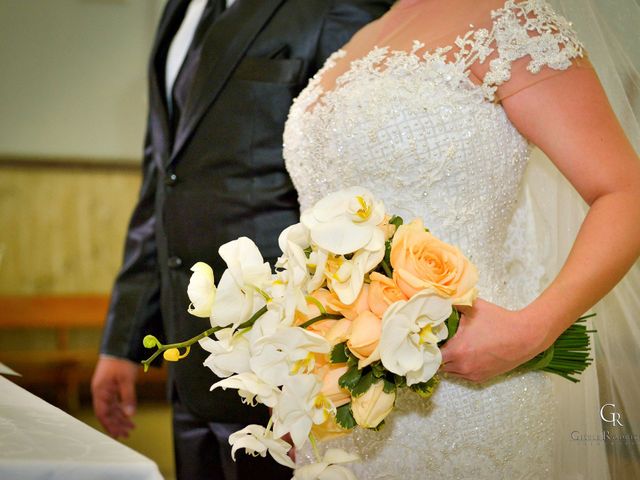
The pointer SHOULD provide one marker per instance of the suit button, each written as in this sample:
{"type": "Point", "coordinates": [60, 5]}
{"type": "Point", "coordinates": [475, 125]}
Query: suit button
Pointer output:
{"type": "Point", "coordinates": [174, 262]}
{"type": "Point", "coordinates": [171, 179]}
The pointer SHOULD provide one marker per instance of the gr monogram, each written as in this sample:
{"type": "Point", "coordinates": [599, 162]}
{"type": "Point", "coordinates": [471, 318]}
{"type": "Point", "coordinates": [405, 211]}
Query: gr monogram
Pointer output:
{"type": "Point", "coordinates": [615, 416]}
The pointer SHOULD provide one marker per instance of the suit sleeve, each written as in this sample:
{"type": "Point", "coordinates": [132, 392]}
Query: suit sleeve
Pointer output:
{"type": "Point", "coordinates": [343, 20]}
{"type": "Point", "coordinates": [134, 309]}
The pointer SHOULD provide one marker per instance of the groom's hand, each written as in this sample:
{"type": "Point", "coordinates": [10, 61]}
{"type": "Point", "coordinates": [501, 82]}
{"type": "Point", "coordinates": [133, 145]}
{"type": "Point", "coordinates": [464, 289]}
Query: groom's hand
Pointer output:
{"type": "Point", "coordinates": [114, 394]}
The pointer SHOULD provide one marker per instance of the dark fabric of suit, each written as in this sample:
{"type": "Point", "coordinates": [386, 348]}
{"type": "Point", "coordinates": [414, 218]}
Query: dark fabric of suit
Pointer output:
{"type": "Point", "coordinates": [217, 172]}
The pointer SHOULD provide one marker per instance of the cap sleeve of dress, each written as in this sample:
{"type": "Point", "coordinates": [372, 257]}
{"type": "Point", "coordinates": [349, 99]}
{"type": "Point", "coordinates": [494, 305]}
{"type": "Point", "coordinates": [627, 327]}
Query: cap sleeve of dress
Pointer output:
{"type": "Point", "coordinates": [528, 42]}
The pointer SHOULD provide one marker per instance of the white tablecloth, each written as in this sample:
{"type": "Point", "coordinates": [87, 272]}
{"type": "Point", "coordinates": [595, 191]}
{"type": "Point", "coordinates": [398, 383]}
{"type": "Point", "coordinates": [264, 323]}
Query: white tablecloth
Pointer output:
{"type": "Point", "coordinates": [40, 441]}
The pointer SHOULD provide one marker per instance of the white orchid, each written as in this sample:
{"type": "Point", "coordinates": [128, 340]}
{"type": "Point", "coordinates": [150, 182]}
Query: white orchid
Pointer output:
{"type": "Point", "coordinates": [299, 406]}
{"type": "Point", "coordinates": [250, 388]}
{"type": "Point", "coordinates": [201, 290]}
{"type": "Point", "coordinates": [288, 351]}
{"type": "Point", "coordinates": [245, 262]}
{"type": "Point", "coordinates": [329, 468]}
{"type": "Point", "coordinates": [256, 440]}
{"type": "Point", "coordinates": [229, 354]}
{"type": "Point", "coordinates": [240, 293]}
{"type": "Point", "coordinates": [286, 297]}
{"type": "Point", "coordinates": [346, 221]}
{"type": "Point", "coordinates": [293, 241]}
{"type": "Point", "coordinates": [317, 262]}
{"type": "Point", "coordinates": [346, 276]}
{"type": "Point", "coordinates": [267, 324]}
{"type": "Point", "coordinates": [411, 331]}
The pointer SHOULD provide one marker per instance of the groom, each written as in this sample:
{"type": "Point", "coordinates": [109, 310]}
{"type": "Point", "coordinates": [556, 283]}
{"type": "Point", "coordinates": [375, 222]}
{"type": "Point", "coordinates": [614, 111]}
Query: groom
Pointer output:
{"type": "Point", "coordinates": [222, 78]}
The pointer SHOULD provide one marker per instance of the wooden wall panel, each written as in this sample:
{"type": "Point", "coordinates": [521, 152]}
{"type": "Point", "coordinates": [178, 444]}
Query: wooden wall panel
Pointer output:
{"type": "Point", "coordinates": [62, 228]}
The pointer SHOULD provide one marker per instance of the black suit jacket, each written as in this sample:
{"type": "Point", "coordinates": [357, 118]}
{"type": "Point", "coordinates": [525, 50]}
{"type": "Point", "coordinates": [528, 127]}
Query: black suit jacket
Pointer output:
{"type": "Point", "coordinates": [219, 174]}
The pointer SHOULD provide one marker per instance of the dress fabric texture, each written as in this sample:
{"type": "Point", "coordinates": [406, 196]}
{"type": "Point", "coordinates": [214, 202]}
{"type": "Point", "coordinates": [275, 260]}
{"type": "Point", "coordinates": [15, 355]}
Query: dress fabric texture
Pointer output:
{"type": "Point", "coordinates": [428, 136]}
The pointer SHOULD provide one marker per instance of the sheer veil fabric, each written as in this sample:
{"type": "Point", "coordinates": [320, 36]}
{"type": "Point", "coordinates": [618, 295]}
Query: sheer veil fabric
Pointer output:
{"type": "Point", "coordinates": [609, 31]}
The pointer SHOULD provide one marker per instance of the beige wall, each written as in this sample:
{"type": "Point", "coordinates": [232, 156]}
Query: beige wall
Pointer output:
{"type": "Point", "coordinates": [73, 82]}
{"type": "Point", "coordinates": [62, 228]}
{"type": "Point", "coordinates": [73, 101]}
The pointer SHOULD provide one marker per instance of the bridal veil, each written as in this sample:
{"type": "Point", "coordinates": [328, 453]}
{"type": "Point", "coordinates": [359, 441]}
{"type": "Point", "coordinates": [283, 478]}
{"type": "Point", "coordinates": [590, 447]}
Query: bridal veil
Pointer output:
{"type": "Point", "coordinates": [590, 444]}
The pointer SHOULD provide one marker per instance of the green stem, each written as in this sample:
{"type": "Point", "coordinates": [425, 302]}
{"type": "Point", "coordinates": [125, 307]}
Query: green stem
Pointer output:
{"type": "Point", "coordinates": [269, 423]}
{"type": "Point", "coordinates": [569, 355]}
{"type": "Point", "coordinates": [206, 333]}
{"type": "Point", "coordinates": [322, 316]}
{"type": "Point", "coordinates": [316, 302]}
{"type": "Point", "coordinates": [314, 446]}
{"type": "Point", "coordinates": [386, 268]}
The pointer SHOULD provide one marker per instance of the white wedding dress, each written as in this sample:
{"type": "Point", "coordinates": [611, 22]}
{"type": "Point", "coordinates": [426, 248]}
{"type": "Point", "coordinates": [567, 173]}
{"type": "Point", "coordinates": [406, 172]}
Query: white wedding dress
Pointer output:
{"type": "Point", "coordinates": [415, 123]}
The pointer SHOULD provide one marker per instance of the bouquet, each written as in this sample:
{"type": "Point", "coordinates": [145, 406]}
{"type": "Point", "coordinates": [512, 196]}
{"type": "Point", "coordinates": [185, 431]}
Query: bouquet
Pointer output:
{"type": "Point", "coordinates": [357, 308]}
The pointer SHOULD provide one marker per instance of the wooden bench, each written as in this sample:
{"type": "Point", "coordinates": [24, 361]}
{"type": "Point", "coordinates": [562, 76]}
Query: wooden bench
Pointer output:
{"type": "Point", "coordinates": [62, 365]}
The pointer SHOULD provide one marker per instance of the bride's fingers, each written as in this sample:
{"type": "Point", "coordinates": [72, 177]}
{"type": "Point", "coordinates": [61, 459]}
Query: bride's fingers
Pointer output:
{"type": "Point", "coordinates": [450, 369]}
{"type": "Point", "coordinates": [458, 375]}
{"type": "Point", "coordinates": [448, 360]}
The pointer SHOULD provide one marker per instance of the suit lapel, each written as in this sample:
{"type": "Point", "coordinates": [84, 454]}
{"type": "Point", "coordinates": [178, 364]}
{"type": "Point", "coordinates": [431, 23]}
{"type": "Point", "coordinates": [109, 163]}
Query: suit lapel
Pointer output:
{"type": "Point", "coordinates": [222, 49]}
{"type": "Point", "coordinates": [158, 114]}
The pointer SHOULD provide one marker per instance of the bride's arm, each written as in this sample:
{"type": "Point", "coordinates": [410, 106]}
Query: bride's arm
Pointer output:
{"type": "Point", "coordinates": [569, 117]}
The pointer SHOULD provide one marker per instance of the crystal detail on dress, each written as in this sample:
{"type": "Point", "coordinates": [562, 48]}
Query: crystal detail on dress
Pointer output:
{"type": "Point", "coordinates": [415, 130]}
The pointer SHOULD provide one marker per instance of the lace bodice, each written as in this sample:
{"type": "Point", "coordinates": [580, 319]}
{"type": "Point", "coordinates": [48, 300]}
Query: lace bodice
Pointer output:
{"type": "Point", "coordinates": [415, 129]}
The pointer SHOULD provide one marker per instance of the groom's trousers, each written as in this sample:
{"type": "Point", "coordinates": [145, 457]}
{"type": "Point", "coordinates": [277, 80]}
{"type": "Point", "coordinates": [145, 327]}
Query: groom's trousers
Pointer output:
{"type": "Point", "coordinates": [203, 452]}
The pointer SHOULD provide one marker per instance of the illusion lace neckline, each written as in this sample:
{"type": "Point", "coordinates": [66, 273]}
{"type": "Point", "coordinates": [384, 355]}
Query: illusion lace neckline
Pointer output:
{"type": "Point", "coordinates": [473, 46]}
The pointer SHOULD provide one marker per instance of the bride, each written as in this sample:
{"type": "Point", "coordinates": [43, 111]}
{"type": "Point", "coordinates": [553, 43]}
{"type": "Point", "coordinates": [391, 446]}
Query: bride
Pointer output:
{"type": "Point", "coordinates": [433, 107]}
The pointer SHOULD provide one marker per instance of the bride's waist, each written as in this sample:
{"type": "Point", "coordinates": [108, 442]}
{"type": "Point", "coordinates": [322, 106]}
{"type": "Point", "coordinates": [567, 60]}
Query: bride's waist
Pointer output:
{"type": "Point", "coordinates": [508, 283]}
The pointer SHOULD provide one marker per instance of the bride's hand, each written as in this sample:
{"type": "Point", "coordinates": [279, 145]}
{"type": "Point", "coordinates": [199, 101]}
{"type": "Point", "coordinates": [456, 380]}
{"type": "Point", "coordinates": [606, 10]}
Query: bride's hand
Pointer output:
{"type": "Point", "coordinates": [292, 452]}
{"type": "Point", "coordinates": [490, 341]}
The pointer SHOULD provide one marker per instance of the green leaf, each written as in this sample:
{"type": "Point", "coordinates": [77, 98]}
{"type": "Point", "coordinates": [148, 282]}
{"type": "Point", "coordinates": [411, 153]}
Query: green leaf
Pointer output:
{"type": "Point", "coordinates": [396, 220]}
{"type": "Point", "coordinates": [400, 381]}
{"type": "Point", "coordinates": [385, 265]}
{"type": "Point", "coordinates": [350, 378]}
{"type": "Point", "coordinates": [353, 360]}
{"type": "Point", "coordinates": [452, 323]}
{"type": "Point", "coordinates": [378, 370]}
{"type": "Point", "coordinates": [426, 389]}
{"type": "Point", "coordinates": [344, 417]}
{"type": "Point", "coordinates": [389, 387]}
{"type": "Point", "coordinates": [339, 353]}
{"type": "Point", "coordinates": [363, 385]}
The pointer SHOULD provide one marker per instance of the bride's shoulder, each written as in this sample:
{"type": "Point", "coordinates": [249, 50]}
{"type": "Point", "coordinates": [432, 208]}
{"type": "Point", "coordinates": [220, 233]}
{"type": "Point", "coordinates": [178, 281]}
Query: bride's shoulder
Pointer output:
{"type": "Point", "coordinates": [525, 42]}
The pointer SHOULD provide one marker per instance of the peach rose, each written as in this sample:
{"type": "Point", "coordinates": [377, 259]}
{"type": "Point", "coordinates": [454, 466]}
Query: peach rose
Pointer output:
{"type": "Point", "coordinates": [330, 387]}
{"type": "Point", "coordinates": [383, 291]}
{"type": "Point", "coordinates": [361, 304]}
{"type": "Point", "coordinates": [371, 408]}
{"type": "Point", "coordinates": [422, 261]}
{"type": "Point", "coordinates": [365, 335]}
{"type": "Point", "coordinates": [329, 429]}
{"type": "Point", "coordinates": [339, 332]}
{"type": "Point", "coordinates": [322, 295]}
{"type": "Point", "coordinates": [326, 299]}
{"type": "Point", "coordinates": [322, 327]}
